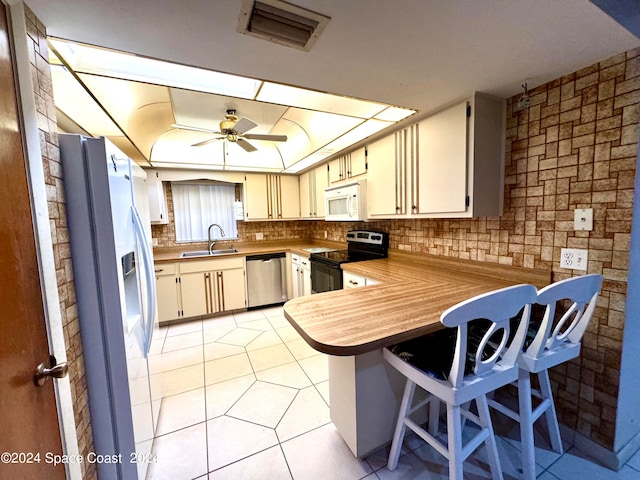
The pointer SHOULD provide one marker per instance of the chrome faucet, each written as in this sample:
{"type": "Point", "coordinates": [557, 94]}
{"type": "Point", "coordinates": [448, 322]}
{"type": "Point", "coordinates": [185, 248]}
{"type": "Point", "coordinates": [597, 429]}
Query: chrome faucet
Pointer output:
{"type": "Point", "coordinates": [213, 242]}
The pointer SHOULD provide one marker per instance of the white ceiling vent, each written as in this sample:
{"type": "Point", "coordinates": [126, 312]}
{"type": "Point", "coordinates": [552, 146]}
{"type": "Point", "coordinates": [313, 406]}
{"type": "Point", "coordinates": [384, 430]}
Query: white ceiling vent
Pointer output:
{"type": "Point", "coordinates": [281, 23]}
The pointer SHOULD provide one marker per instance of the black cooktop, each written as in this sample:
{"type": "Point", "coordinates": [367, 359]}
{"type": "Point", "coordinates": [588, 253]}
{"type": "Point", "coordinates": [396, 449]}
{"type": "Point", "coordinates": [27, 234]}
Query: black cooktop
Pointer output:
{"type": "Point", "coordinates": [363, 245]}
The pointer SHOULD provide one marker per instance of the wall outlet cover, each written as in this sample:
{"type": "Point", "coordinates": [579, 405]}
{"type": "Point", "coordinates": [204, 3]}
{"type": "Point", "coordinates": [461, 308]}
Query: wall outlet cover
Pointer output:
{"type": "Point", "coordinates": [583, 219]}
{"type": "Point", "coordinates": [574, 258]}
{"type": "Point", "coordinates": [259, 236]}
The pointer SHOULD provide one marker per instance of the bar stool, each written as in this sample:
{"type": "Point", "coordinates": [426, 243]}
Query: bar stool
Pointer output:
{"type": "Point", "coordinates": [481, 363]}
{"type": "Point", "coordinates": [572, 302]}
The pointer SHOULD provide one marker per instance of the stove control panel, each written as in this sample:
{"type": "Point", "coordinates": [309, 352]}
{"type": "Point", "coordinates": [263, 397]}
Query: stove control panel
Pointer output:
{"type": "Point", "coordinates": [371, 237]}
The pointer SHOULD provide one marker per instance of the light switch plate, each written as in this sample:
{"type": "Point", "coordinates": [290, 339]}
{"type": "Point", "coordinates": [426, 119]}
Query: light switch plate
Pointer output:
{"type": "Point", "coordinates": [583, 219]}
{"type": "Point", "coordinates": [574, 258]}
{"type": "Point", "coordinates": [259, 236]}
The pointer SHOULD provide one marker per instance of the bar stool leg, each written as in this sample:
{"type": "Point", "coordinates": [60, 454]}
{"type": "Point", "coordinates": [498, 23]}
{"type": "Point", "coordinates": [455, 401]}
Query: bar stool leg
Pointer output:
{"type": "Point", "coordinates": [434, 416]}
{"type": "Point", "coordinates": [526, 425]}
{"type": "Point", "coordinates": [550, 414]}
{"type": "Point", "coordinates": [398, 435]}
{"type": "Point", "coordinates": [454, 433]}
{"type": "Point", "coordinates": [490, 441]}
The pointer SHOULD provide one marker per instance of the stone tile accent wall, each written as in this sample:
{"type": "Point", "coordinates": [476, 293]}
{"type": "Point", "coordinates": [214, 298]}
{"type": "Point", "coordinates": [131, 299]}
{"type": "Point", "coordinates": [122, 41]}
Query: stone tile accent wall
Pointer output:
{"type": "Point", "coordinates": [574, 147]}
{"type": "Point", "coordinates": [46, 112]}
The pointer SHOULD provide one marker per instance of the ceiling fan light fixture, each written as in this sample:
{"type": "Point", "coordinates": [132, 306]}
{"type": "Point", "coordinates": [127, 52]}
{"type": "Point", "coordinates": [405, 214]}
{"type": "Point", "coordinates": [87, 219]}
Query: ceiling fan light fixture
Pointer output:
{"type": "Point", "coordinates": [281, 22]}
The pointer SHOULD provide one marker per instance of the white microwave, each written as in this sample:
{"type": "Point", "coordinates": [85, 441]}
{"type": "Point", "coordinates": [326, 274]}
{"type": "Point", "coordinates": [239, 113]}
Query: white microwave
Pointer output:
{"type": "Point", "coordinates": [346, 202]}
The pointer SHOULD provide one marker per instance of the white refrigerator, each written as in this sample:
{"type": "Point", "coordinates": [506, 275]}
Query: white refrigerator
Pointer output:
{"type": "Point", "coordinates": [110, 234]}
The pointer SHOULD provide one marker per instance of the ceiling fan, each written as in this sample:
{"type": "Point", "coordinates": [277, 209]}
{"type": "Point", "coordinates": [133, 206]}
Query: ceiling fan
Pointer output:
{"type": "Point", "coordinates": [233, 130]}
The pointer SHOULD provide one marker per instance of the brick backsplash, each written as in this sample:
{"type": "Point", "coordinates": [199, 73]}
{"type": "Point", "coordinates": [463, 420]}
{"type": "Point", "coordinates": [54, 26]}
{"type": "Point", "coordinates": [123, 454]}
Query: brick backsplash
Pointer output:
{"type": "Point", "coordinates": [575, 146]}
{"type": "Point", "coordinates": [46, 113]}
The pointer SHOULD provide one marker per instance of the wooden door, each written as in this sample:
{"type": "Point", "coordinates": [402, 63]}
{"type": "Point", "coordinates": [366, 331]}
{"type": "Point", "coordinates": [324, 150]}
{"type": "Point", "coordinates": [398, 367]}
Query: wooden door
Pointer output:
{"type": "Point", "coordinates": [256, 201]}
{"type": "Point", "coordinates": [357, 162]}
{"type": "Point", "coordinates": [28, 415]}
{"type": "Point", "coordinates": [306, 186]}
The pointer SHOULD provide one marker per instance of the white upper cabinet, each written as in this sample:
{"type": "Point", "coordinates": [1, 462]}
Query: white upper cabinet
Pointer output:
{"type": "Point", "coordinates": [441, 173]}
{"type": "Point", "coordinates": [157, 199]}
{"type": "Point", "coordinates": [271, 197]}
{"type": "Point", "coordinates": [348, 166]}
{"type": "Point", "coordinates": [312, 185]}
{"type": "Point", "coordinates": [450, 165]}
{"type": "Point", "coordinates": [385, 177]}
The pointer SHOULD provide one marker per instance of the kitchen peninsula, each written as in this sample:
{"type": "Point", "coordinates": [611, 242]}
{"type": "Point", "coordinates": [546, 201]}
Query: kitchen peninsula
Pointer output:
{"type": "Point", "coordinates": [353, 325]}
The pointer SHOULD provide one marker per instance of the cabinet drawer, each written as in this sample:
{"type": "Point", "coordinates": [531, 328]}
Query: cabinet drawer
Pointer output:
{"type": "Point", "coordinates": [211, 265]}
{"type": "Point", "coordinates": [350, 280]}
{"type": "Point", "coordinates": [161, 269]}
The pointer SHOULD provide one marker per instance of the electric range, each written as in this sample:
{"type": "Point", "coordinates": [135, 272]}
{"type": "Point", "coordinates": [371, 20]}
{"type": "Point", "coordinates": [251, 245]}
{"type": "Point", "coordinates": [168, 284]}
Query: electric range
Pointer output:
{"type": "Point", "coordinates": [326, 274]}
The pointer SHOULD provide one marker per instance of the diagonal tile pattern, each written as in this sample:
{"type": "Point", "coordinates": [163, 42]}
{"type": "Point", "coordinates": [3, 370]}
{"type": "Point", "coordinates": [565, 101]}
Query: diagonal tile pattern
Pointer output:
{"type": "Point", "coordinates": [247, 398]}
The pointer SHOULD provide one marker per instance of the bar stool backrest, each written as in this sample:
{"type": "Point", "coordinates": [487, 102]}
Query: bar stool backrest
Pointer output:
{"type": "Point", "coordinates": [579, 294]}
{"type": "Point", "coordinates": [497, 349]}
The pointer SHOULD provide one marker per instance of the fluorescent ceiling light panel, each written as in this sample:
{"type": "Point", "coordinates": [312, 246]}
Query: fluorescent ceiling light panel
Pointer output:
{"type": "Point", "coordinates": [322, 102]}
{"type": "Point", "coordinates": [114, 64]}
{"type": "Point", "coordinates": [76, 103]}
{"type": "Point", "coordinates": [394, 114]}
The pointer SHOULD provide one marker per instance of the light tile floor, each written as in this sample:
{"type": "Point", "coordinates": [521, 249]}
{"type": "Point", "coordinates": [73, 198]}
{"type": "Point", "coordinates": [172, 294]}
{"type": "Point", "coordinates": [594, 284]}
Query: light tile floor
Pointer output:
{"type": "Point", "coordinates": [247, 398]}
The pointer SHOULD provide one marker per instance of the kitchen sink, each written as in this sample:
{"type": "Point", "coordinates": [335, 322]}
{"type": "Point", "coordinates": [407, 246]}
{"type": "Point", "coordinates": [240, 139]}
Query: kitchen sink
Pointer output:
{"type": "Point", "coordinates": [205, 253]}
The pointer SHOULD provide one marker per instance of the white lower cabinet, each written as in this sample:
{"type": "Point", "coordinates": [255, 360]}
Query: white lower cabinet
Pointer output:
{"type": "Point", "coordinates": [300, 275]}
{"type": "Point", "coordinates": [351, 280]}
{"type": "Point", "coordinates": [190, 289]}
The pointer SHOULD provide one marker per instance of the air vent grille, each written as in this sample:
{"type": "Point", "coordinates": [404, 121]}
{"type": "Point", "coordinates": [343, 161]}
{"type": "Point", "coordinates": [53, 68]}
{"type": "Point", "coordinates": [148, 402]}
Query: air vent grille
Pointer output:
{"type": "Point", "coordinates": [281, 23]}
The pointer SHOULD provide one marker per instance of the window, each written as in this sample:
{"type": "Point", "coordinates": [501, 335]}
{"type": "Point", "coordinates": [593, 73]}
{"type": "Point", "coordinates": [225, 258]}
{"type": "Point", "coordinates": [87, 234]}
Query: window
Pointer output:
{"type": "Point", "coordinates": [196, 206]}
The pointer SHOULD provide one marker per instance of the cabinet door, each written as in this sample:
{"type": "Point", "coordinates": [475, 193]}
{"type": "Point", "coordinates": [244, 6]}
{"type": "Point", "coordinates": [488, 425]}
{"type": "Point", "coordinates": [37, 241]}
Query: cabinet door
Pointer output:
{"type": "Point", "coordinates": [256, 205]}
{"type": "Point", "coordinates": [307, 195]}
{"type": "Point", "coordinates": [351, 280]}
{"type": "Point", "coordinates": [294, 280]}
{"type": "Point", "coordinates": [232, 289]}
{"type": "Point", "coordinates": [305, 282]}
{"type": "Point", "coordinates": [321, 182]}
{"type": "Point", "coordinates": [357, 163]}
{"type": "Point", "coordinates": [289, 197]}
{"type": "Point", "coordinates": [157, 200]}
{"type": "Point", "coordinates": [385, 177]}
{"type": "Point", "coordinates": [167, 293]}
{"type": "Point", "coordinates": [194, 293]}
{"type": "Point", "coordinates": [442, 161]}
{"type": "Point", "coordinates": [337, 170]}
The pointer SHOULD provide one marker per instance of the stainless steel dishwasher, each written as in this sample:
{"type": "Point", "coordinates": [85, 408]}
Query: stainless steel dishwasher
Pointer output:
{"type": "Point", "coordinates": [266, 279]}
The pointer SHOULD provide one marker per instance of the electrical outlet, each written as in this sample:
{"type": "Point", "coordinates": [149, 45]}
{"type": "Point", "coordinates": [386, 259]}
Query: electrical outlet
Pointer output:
{"type": "Point", "coordinates": [259, 236]}
{"type": "Point", "coordinates": [574, 258]}
{"type": "Point", "coordinates": [325, 234]}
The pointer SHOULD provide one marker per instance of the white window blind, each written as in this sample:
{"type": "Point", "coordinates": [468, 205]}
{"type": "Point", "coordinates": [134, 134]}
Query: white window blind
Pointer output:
{"type": "Point", "coordinates": [195, 207]}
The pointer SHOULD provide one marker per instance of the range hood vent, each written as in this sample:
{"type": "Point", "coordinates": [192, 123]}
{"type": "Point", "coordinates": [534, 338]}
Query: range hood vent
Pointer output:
{"type": "Point", "coordinates": [280, 22]}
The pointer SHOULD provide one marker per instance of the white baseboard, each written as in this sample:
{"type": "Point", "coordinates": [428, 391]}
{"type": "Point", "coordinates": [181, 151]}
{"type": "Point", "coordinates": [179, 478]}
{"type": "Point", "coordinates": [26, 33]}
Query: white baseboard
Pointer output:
{"type": "Point", "coordinates": [604, 456]}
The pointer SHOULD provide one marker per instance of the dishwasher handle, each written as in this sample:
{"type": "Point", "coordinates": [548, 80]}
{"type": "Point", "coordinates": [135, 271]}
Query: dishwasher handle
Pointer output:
{"type": "Point", "coordinates": [265, 256]}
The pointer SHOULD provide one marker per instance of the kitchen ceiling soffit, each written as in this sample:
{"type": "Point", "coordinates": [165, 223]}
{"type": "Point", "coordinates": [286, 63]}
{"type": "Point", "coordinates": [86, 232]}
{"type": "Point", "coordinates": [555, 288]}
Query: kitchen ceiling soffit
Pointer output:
{"type": "Point", "coordinates": [141, 105]}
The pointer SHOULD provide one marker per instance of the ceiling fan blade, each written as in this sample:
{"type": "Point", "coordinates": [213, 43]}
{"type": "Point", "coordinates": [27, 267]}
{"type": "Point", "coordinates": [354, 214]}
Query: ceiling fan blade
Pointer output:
{"type": "Point", "coordinates": [244, 125]}
{"type": "Point", "coordinates": [207, 142]}
{"type": "Point", "coordinates": [189, 127]}
{"type": "Point", "coordinates": [271, 138]}
{"type": "Point", "coordinates": [246, 145]}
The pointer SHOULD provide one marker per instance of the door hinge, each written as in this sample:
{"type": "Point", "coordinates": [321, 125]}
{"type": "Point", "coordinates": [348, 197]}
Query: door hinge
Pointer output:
{"type": "Point", "coordinates": [467, 201]}
{"type": "Point", "coordinates": [469, 111]}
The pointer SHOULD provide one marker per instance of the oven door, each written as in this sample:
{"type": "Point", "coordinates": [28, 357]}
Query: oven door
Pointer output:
{"type": "Point", "coordinates": [324, 277]}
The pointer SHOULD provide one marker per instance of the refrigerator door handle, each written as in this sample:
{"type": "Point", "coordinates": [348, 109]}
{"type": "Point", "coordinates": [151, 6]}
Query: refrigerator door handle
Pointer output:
{"type": "Point", "coordinates": [149, 274]}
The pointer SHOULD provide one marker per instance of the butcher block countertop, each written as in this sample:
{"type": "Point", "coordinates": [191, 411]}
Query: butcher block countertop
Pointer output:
{"type": "Point", "coordinates": [172, 254]}
{"type": "Point", "coordinates": [414, 292]}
